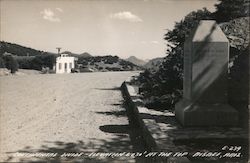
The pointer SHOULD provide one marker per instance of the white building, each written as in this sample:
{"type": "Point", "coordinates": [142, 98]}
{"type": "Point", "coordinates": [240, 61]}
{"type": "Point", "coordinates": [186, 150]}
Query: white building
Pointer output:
{"type": "Point", "coordinates": [64, 64]}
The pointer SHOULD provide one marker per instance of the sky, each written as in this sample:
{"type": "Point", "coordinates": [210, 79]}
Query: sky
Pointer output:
{"type": "Point", "coordinates": [100, 27]}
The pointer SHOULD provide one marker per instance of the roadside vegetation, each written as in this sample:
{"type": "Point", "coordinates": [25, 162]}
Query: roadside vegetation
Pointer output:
{"type": "Point", "coordinates": [163, 88]}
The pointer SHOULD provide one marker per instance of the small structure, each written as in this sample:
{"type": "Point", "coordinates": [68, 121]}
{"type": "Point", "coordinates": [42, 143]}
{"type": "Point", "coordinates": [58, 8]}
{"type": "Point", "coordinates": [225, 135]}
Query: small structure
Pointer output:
{"type": "Point", "coordinates": [64, 63]}
{"type": "Point", "coordinates": [205, 99]}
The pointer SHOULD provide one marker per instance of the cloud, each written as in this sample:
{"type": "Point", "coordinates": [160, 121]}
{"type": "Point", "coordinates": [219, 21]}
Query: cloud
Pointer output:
{"type": "Point", "coordinates": [154, 42]}
{"type": "Point", "coordinates": [59, 9]}
{"type": "Point", "coordinates": [125, 15]}
{"type": "Point", "coordinates": [150, 42]}
{"type": "Point", "coordinates": [49, 15]}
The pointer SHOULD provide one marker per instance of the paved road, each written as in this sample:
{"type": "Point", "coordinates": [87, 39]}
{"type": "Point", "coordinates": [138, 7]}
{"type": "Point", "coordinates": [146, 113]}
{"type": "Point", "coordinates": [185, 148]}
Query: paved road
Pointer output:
{"type": "Point", "coordinates": [63, 113]}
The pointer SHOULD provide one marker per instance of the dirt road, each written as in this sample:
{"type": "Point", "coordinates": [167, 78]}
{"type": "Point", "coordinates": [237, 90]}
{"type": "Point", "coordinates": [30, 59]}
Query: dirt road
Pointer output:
{"type": "Point", "coordinates": [80, 113]}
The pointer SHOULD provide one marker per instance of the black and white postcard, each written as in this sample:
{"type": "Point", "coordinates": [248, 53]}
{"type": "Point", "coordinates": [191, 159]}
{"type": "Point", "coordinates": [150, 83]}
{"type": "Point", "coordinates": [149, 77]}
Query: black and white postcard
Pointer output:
{"type": "Point", "coordinates": [124, 81]}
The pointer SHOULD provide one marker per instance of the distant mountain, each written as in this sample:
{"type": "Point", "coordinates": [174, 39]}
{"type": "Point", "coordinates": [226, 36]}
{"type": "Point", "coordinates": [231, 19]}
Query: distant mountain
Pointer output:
{"type": "Point", "coordinates": [85, 54]}
{"type": "Point", "coordinates": [136, 61]}
{"type": "Point", "coordinates": [153, 64]}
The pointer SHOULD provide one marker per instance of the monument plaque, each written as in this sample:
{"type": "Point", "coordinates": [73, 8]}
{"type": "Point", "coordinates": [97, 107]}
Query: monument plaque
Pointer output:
{"type": "Point", "coordinates": [205, 97]}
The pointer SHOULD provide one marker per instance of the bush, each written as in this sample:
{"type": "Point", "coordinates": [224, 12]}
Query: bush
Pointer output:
{"type": "Point", "coordinates": [25, 62]}
{"type": "Point", "coordinates": [2, 64]}
{"type": "Point", "coordinates": [38, 62]}
{"type": "Point", "coordinates": [10, 63]}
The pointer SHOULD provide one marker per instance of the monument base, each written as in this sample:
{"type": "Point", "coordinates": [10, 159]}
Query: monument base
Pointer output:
{"type": "Point", "coordinates": [196, 114]}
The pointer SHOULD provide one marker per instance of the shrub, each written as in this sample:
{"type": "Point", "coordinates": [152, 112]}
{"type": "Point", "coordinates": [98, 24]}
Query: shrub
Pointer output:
{"type": "Point", "coordinates": [2, 64]}
{"type": "Point", "coordinates": [10, 63]}
{"type": "Point", "coordinates": [43, 61]}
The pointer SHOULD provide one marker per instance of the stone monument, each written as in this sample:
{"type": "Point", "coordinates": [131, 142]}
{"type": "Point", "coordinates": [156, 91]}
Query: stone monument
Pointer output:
{"type": "Point", "coordinates": [205, 98]}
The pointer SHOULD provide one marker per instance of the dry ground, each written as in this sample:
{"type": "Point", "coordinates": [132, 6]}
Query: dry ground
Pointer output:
{"type": "Point", "coordinates": [63, 113]}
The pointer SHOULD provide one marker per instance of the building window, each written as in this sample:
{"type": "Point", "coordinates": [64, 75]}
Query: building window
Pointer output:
{"type": "Point", "coordinates": [70, 65]}
{"type": "Point", "coordinates": [60, 66]}
{"type": "Point", "coordinates": [65, 67]}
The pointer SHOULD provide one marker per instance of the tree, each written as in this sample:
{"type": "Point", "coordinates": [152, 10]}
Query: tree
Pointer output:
{"type": "Point", "coordinates": [183, 28]}
{"type": "Point", "coordinates": [230, 9]}
{"type": "Point", "coordinates": [45, 60]}
{"type": "Point", "coordinates": [166, 83]}
{"type": "Point", "coordinates": [11, 63]}
{"type": "Point", "coordinates": [172, 67]}
{"type": "Point", "coordinates": [2, 64]}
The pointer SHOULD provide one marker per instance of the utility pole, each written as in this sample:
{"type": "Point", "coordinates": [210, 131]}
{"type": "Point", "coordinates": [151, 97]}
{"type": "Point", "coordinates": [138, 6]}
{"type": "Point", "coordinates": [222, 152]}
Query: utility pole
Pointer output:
{"type": "Point", "coordinates": [58, 49]}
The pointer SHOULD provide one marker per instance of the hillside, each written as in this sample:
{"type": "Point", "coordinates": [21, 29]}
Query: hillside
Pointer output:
{"type": "Point", "coordinates": [85, 54]}
{"type": "Point", "coordinates": [105, 63]}
{"type": "Point", "coordinates": [136, 61]}
{"type": "Point", "coordinates": [237, 32]}
{"type": "Point", "coordinates": [154, 64]}
{"type": "Point", "coordinates": [14, 57]}
{"type": "Point", "coordinates": [19, 50]}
